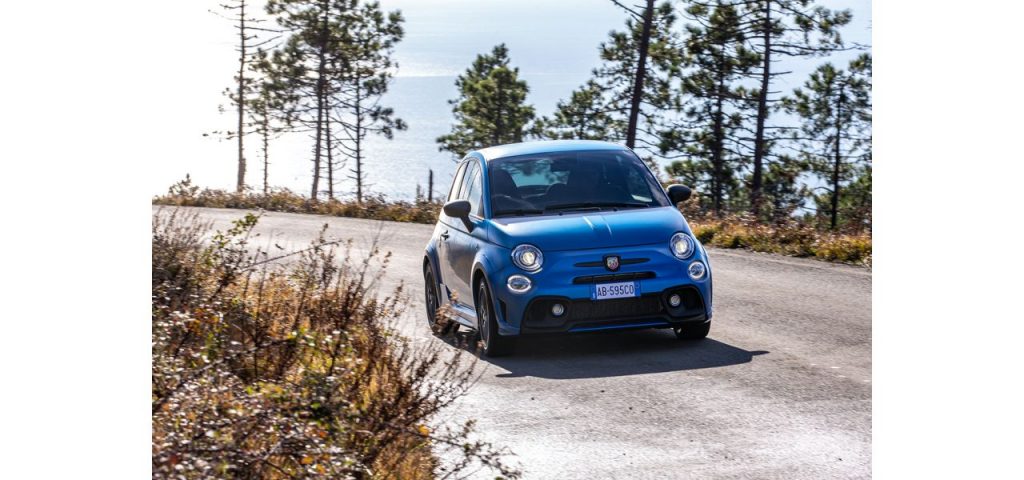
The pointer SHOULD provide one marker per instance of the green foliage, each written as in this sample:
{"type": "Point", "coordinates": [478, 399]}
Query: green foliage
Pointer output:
{"type": "Point", "coordinates": [586, 116]}
{"type": "Point", "coordinates": [783, 28]}
{"type": "Point", "coordinates": [854, 212]}
{"type": "Point", "coordinates": [783, 192]}
{"type": "Point", "coordinates": [184, 189]}
{"type": "Point", "coordinates": [332, 70]}
{"type": "Point", "coordinates": [369, 42]}
{"type": "Point", "coordinates": [490, 109]}
{"type": "Point", "coordinates": [710, 137]}
{"type": "Point", "coordinates": [600, 108]}
{"type": "Point", "coordinates": [834, 107]}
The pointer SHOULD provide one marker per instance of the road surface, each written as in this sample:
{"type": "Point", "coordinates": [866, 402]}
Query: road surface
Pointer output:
{"type": "Point", "coordinates": [780, 389]}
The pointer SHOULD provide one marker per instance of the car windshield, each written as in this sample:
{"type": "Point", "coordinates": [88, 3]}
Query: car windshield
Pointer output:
{"type": "Point", "coordinates": [571, 181]}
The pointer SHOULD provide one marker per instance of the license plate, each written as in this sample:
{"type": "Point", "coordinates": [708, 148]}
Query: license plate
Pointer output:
{"type": "Point", "coordinates": [605, 291]}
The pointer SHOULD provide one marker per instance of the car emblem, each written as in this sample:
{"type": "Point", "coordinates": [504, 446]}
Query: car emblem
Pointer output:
{"type": "Point", "coordinates": [611, 262]}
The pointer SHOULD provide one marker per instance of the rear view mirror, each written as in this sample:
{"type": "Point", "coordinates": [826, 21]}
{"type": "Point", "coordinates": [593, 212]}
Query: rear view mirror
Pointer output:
{"type": "Point", "coordinates": [459, 209]}
{"type": "Point", "coordinates": [678, 193]}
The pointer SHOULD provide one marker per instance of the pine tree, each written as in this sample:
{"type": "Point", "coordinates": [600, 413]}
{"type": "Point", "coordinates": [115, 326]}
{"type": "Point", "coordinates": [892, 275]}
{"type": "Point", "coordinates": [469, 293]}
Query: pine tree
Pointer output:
{"type": "Point", "coordinates": [783, 191]}
{"type": "Point", "coordinates": [584, 117]}
{"type": "Point", "coordinates": [267, 110]}
{"type": "Point", "coordinates": [490, 109]}
{"type": "Point", "coordinates": [834, 107]}
{"type": "Point", "coordinates": [783, 28]}
{"type": "Point", "coordinates": [854, 212]}
{"type": "Point", "coordinates": [307, 66]}
{"type": "Point", "coordinates": [369, 41]}
{"type": "Point", "coordinates": [709, 136]}
{"type": "Point", "coordinates": [640, 76]}
{"type": "Point", "coordinates": [618, 78]}
{"type": "Point", "coordinates": [247, 27]}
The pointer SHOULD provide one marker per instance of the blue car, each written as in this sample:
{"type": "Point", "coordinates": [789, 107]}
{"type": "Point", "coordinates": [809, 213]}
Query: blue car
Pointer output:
{"type": "Point", "coordinates": [563, 237]}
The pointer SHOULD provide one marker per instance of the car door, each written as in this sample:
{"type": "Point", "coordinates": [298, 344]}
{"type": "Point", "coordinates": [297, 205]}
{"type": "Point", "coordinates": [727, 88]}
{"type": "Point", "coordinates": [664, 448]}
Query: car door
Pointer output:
{"type": "Point", "coordinates": [465, 243]}
{"type": "Point", "coordinates": [444, 241]}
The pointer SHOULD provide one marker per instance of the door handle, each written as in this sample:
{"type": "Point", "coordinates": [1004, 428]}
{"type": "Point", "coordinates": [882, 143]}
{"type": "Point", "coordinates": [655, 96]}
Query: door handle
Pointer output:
{"type": "Point", "coordinates": [444, 236]}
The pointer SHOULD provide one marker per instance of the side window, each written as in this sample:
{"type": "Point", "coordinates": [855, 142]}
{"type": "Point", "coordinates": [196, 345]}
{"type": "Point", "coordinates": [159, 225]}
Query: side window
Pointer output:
{"type": "Point", "coordinates": [471, 169]}
{"type": "Point", "coordinates": [453, 194]}
{"type": "Point", "coordinates": [475, 194]}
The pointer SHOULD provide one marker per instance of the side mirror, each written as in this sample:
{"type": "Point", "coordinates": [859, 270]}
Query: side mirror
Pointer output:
{"type": "Point", "coordinates": [459, 209]}
{"type": "Point", "coordinates": [678, 193]}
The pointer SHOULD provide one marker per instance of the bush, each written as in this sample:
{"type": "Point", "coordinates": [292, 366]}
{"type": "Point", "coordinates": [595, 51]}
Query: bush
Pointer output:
{"type": "Point", "coordinates": [844, 248]}
{"type": "Point", "coordinates": [184, 194]}
{"type": "Point", "coordinates": [789, 238]}
{"type": "Point", "coordinates": [267, 369]}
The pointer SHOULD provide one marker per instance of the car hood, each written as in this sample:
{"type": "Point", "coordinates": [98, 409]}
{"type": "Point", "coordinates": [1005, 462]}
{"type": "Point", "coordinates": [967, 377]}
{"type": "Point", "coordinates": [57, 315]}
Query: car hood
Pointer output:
{"type": "Point", "coordinates": [582, 230]}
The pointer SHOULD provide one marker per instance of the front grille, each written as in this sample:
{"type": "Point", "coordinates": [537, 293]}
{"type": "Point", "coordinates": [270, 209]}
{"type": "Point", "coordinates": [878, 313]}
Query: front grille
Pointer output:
{"type": "Point", "coordinates": [624, 261]}
{"type": "Point", "coordinates": [613, 277]}
{"type": "Point", "coordinates": [622, 307]}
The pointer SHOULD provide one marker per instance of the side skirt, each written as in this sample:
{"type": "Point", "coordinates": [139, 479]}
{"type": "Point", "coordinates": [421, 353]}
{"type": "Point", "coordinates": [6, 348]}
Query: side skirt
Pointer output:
{"type": "Point", "coordinates": [464, 315]}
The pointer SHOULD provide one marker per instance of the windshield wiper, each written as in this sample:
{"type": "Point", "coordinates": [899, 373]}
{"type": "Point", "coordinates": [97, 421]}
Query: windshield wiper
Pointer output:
{"type": "Point", "coordinates": [594, 205]}
{"type": "Point", "coordinates": [519, 212]}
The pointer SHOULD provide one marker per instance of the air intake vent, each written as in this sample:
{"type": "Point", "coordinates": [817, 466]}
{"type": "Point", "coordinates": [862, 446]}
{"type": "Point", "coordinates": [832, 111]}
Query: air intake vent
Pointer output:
{"type": "Point", "coordinates": [613, 277]}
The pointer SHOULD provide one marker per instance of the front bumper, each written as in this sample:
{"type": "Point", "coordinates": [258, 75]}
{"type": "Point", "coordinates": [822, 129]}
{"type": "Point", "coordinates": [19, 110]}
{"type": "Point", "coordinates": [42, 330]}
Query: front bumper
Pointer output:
{"type": "Point", "coordinates": [650, 310]}
{"type": "Point", "coordinates": [567, 278]}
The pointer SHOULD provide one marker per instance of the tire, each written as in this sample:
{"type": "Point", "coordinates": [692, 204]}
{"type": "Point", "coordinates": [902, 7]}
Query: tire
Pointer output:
{"type": "Point", "coordinates": [494, 345]}
{"type": "Point", "coordinates": [431, 301]}
{"type": "Point", "coordinates": [697, 331]}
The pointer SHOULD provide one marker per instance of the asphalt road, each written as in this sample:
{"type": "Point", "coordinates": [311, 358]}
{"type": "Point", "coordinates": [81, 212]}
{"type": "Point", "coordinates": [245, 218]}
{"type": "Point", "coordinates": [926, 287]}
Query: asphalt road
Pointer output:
{"type": "Point", "coordinates": [780, 389]}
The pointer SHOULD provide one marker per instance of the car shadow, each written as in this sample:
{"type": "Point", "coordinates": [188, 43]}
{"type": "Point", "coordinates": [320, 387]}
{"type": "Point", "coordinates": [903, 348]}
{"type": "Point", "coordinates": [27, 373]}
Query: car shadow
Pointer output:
{"type": "Point", "coordinates": [609, 354]}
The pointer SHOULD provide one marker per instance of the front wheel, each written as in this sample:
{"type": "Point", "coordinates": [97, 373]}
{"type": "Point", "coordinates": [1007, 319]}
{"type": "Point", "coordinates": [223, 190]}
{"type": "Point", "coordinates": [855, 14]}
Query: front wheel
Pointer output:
{"type": "Point", "coordinates": [494, 344]}
{"type": "Point", "coordinates": [693, 331]}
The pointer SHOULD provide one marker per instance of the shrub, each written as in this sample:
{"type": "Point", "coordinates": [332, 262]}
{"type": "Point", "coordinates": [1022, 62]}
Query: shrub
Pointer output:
{"type": "Point", "coordinates": [844, 248]}
{"type": "Point", "coordinates": [791, 238]}
{"type": "Point", "coordinates": [270, 369]}
{"type": "Point", "coordinates": [184, 194]}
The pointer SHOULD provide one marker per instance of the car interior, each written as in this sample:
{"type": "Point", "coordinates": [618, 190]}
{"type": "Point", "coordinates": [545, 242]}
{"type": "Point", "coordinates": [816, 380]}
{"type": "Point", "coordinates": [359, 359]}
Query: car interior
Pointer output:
{"type": "Point", "coordinates": [565, 181]}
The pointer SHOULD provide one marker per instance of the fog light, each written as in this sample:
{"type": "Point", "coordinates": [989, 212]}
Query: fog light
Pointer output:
{"type": "Point", "coordinates": [519, 283]}
{"type": "Point", "coordinates": [674, 300]}
{"type": "Point", "coordinates": [696, 270]}
{"type": "Point", "coordinates": [557, 309]}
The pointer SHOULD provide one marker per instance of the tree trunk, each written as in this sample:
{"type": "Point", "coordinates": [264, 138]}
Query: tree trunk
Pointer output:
{"type": "Point", "coordinates": [330, 155]}
{"type": "Point", "coordinates": [762, 113]}
{"type": "Point", "coordinates": [641, 72]}
{"type": "Point", "coordinates": [240, 100]}
{"type": "Point", "coordinates": [320, 93]}
{"type": "Point", "coordinates": [266, 151]}
{"type": "Point", "coordinates": [717, 144]}
{"type": "Point", "coordinates": [837, 159]}
{"type": "Point", "coordinates": [359, 143]}
{"type": "Point", "coordinates": [499, 125]}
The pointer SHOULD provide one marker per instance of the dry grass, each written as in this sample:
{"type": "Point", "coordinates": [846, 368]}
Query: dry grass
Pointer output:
{"type": "Point", "coordinates": [184, 194]}
{"type": "Point", "coordinates": [266, 369]}
{"type": "Point", "coordinates": [792, 238]}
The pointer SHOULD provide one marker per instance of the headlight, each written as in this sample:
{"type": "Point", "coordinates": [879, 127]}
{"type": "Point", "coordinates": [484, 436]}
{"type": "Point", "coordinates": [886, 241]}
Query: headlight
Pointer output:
{"type": "Point", "coordinates": [696, 270]}
{"type": "Point", "coordinates": [527, 257]}
{"type": "Point", "coordinates": [682, 246]}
